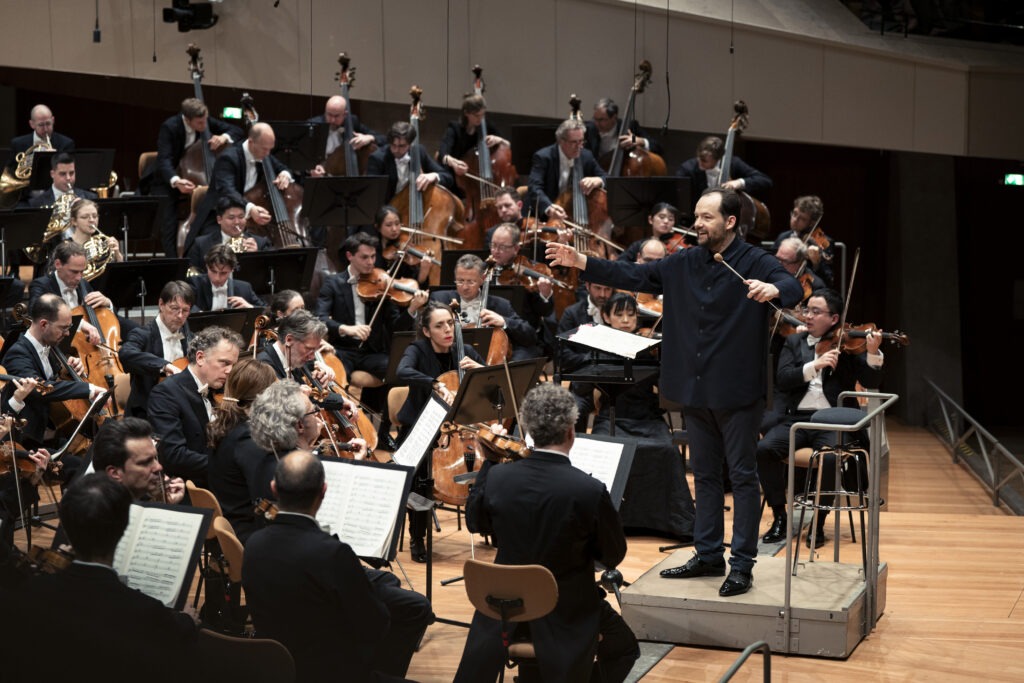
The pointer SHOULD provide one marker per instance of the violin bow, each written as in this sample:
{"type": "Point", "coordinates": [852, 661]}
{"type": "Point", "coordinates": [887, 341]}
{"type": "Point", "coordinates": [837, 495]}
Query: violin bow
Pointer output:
{"type": "Point", "coordinates": [380, 304]}
{"type": "Point", "coordinates": [846, 303]}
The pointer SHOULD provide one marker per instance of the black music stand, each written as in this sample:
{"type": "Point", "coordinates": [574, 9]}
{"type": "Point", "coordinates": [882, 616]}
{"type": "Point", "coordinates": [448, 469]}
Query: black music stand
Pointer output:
{"type": "Point", "coordinates": [21, 228]}
{"type": "Point", "coordinates": [300, 144]}
{"type": "Point", "coordinates": [135, 218]}
{"type": "Point", "coordinates": [138, 283]}
{"type": "Point", "coordinates": [92, 167]}
{"type": "Point", "coordinates": [233, 319]}
{"type": "Point", "coordinates": [448, 259]}
{"type": "Point", "coordinates": [485, 394]}
{"type": "Point", "coordinates": [527, 138]}
{"type": "Point", "coordinates": [514, 294]}
{"type": "Point", "coordinates": [341, 201]}
{"type": "Point", "coordinates": [271, 271]}
{"type": "Point", "coordinates": [477, 337]}
{"type": "Point", "coordinates": [40, 178]}
{"type": "Point", "coordinates": [630, 200]}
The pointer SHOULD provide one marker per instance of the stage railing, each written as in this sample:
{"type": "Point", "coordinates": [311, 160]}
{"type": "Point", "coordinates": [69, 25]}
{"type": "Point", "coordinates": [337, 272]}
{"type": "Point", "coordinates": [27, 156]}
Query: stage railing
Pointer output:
{"type": "Point", "coordinates": [745, 655]}
{"type": "Point", "coordinates": [968, 442]}
{"type": "Point", "coordinates": [874, 420]}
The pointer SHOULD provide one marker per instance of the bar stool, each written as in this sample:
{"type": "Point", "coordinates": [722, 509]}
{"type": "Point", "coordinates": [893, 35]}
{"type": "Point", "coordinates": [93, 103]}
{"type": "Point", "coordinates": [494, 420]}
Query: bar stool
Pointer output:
{"type": "Point", "coordinates": [850, 481]}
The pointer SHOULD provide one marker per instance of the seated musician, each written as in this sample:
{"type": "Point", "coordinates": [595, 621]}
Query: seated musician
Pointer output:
{"type": "Point", "coordinates": [552, 170]}
{"type": "Point", "coordinates": [388, 225]}
{"type": "Point", "coordinates": [240, 471]}
{"type": "Point", "coordinates": [335, 111]}
{"type": "Point", "coordinates": [293, 356]}
{"type": "Point", "coordinates": [218, 289]}
{"type": "Point", "coordinates": [176, 135]}
{"type": "Point", "coordinates": [149, 352]}
{"type": "Point", "coordinates": [394, 161]}
{"type": "Point", "coordinates": [539, 305]}
{"type": "Point", "coordinates": [579, 526]}
{"type": "Point", "coordinates": [125, 451]}
{"type": "Point", "coordinates": [41, 121]}
{"type": "Point", "coordinates": [236, 171]}
{"type": "Point", "coordinates": [307, 590]}
{"type": "Point", "coordinates": [807, 381]}
{"type": "Point", "coordinates": [806, 214]}
{"type": "Point", "coordinates": [84, 225]}
{"type": "Point", "coordinates": [16, 502]}
{"type": "Point", "coordinates": [284, 303]}
{"type": "Point", "coordinates": [66, 281]}
{"type": "Point", "coordinates": [362, 339]}
{"type": "Point", "coordinates": [462, 136]}
{"type": "Point", "coordinates": [662, 219]}
{"type": "Point", "coordinates": [602, 132]}
{"type": "Point", "coordinates": [705, 171]}
{"type": "Point", "coordinates": [231, 219]}
{"type": "Point", "coordinates": [181, 406]}
{"type": "Point", "coordinates": [62, 171]}
{"type": "Point", "coordinates": [792, 253]}
{"type": "Point", "coordinates": [585, 312]}
{"type": "Point", "coordinates": [657, 497]}
{"type": "Point", "coordinates": [34, 358]}
{"type": "Point", "coordinates": [426, 359]}
{"type": "Point", "coordinates": [499, 314]}
{"type": "Point", "coordinates": [116, 632]}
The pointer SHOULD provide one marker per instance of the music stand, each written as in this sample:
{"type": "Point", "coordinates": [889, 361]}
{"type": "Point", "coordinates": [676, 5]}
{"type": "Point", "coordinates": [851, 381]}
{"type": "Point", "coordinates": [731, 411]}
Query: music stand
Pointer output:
{"type": "Point", "coordinates": [135, 218]}
{"type": "Point", "coordinates": [299, 144]}
{"type": "Point", "coordinates": [485, 394]}
{"type": "Point", "coordinates": [271, 271]}
{"type": "Point", "coordinates": [130, 283]}
{"type": "Point", "coordinates": [234, 319]}
{"type": "Point", "coordinates": [21, 228]}
{"type": "Point", "coordinates": [344, 200]}
{"type": "Point", "coordinates": [527, 138]}
{"type": "Point", "coordinates": [92, 167]}
{"type": "Point", "coordinates": [630, 200]}
{"type": "Point", "coordinates": [477, 337]}
{"type": "Point", "coordinates": [514, 294]}
{"type": "Point", "coordinates": [448, 259]}
{"type": "Point", "coordinates": [40, 178]}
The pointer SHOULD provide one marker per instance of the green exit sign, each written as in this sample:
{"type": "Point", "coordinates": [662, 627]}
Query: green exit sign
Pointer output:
{"type": "Point", "coordinates": [1013, 179]}
{"type": "Point", "coordinates": [231, 113]}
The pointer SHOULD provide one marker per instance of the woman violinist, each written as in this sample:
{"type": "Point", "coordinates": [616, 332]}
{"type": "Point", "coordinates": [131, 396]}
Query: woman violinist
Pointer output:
{"type": "Point", "coordinates": [426, 359]}
{"type": "Point", "coordinates": [388, 224]}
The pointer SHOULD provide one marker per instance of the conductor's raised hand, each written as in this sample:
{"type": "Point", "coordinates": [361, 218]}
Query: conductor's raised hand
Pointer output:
{"type": "Point", "coordinates": [565, 255]}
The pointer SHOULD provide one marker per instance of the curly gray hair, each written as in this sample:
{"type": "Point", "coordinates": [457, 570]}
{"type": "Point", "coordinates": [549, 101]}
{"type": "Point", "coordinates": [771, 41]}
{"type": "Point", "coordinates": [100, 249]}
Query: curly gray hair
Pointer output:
{"type": "Point", "coordinates": [549, 411]}
{"type": "Point", "coordinates": [274, 416]}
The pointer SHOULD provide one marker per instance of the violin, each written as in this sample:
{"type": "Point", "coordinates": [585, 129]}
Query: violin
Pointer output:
{"type": "Point", "coordinates": [265, 508]}
{"type": "Point", "coordinates": [853, 339]}
{"type": "Point", "coordinates": [378, 283]}
{"type": "Point", "coordinates": [523, 271]}
{"type": "Point", "coordinates": [412, 255]}
{"type": "Point", "coordinates": [498, 448]}
{"type": "Point", "coordinates": [43, 560]}
{"type": "Point", "coordinates": [42, 386]}
{"type": "Point", "coordinates": [677, 242]}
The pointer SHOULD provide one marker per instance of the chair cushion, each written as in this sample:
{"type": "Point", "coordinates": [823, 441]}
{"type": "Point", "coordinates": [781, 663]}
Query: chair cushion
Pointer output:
{"type": "Point", "coordinates": [839, 416]}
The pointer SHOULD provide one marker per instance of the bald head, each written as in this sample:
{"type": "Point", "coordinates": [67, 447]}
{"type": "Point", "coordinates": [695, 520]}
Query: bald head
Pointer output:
{"type": "Point", "coordinates": [651, 250]}
{"type": "Point", "coordinates": [41, 120]}
{"type": "Point", "coordinates": [261, 140]}
{"type": "Point", "coordinates": [335, 111]}
{"type": "Point", "coordinates": [299, 483]}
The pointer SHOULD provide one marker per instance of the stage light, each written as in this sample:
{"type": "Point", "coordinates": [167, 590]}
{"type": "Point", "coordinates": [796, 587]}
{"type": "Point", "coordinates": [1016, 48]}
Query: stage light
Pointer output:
{"type": "Point", "coordinates": [190, 15]}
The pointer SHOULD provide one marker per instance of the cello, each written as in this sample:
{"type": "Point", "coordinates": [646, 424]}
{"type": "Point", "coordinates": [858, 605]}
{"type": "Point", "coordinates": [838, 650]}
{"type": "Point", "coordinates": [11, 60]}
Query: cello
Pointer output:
{"type": "Point", "coordinates": [346, 160]}
{"type": "Point", "coordinates": [636, 161]}
{"type": "Point", "coordinates": [489, 171]}
{"type": "Point", "coordinates": [458, 454]}
{"type": "Point", "coordinates": [754, 219]}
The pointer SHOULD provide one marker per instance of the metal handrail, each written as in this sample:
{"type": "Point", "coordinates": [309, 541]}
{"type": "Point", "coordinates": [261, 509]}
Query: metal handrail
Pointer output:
{"type": "Point", "coordinates": [875, 416]}
{"type": "Point", "coordinates": [961, 428]}
{"type": "Point", "coordinates": [745, 655]}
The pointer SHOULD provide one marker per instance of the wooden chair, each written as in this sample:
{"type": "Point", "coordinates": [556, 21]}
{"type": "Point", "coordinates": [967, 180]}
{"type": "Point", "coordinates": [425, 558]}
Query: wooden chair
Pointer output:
{"type": "Point", "coordinates": [254, 660]}
{"type": "Point", "coordinates": [511, 594]}
{"type": "Point", "coordinates": [396, 399]}
{"type": "Point", "coordinates": [146, 162]}
{"type": "Point", "coordinates": [203, 498]}
{"type": "Point", "coordinates": [231, 547]}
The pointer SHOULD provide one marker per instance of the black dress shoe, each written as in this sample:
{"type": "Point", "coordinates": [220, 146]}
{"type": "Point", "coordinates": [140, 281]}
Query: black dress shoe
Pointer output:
{"type": "Point", "coordinates": [385, 442]}
{"type": "Point", "coordinates": [738, 583]}
{"type": "Point", "coordinates": [417, 550]}
{"type": "Point", "coordinates": [695, 567]}
{"type": "Point", "coordinates": [819, 539]}
{"type": "Point", "coordinates": [777, 532]}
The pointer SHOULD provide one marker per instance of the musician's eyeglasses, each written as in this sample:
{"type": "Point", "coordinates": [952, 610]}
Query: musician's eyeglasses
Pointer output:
{"type": "Point", "coordinates": [816, 311]}
{"type": "Point", "coordinates": [502, 247]}
{"type": "Point", "coordinates": [466, 283]}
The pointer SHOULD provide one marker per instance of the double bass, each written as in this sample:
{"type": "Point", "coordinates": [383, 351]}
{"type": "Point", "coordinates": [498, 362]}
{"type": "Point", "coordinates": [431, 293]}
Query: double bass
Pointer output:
{"type": "Point", "coordinates": [754, 220]}
{"type": "Point", "coordinates": [433, 211]}
{"type": "Point", "coordinates": [636, 161]}
{"type": "Point", "coordinates": [346, 160]}
{"type": "Point", "coordinates": [196, 163]}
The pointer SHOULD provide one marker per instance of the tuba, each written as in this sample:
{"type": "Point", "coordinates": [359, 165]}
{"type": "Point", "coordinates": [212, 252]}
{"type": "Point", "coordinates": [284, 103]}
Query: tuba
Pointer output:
{"type": "Point", "coordinates": [13, 183]}
{"type": "Point", "coordinates": [60, 219]}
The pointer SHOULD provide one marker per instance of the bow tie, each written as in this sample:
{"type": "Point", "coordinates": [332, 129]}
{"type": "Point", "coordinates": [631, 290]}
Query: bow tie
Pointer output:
{"type": "Point", "coordinates": [353, 279]}
{"type": "Point", "coordinates": [175, 336]}
{"type": "Point", "coordinates": [593, 311]}
{"type": "Point", "coordinates": [204, 390]}
{"type": "Point", "coordinates": [812, 340]}
{"type": "Point", "coordinates": [223, 289]}
{"type": "Point", "coordinates": [402, 160]}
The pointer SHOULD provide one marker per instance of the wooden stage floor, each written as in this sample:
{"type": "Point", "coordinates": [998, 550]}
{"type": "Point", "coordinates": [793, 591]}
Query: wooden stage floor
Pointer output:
{"type": "Point", "coordinates": [955, 603]}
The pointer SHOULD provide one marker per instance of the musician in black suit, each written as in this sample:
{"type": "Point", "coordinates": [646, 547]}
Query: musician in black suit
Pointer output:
{"type": "Point", "coordinates": [538, 305]}
{"type": "Point", "coordinates": [231, 220]}
{"type": "Point", "coordinates": [125, 451]}
{"type": "Point", "coordinates": [34, 357]}
{"type": "Point", "coordinates": [41, 121]}
{"type": "Point", "coordinates": [236, 171]}
{"type": "Point", "coordinates": [62, 172]}
{"type": "Point", "coordinates": [307, 589]}
{"type": "Point", "coordinates": [299, 336]}
{"type": "Point", "coordinates": [805, 216]}
{"type": "Point", "coordinates": [602, 128]}
{"type": "Point", "coordinates": [394, 161]}
{"type": "Point", "coordinates": [335, 112]}
{"type": "Point", "coordinates": [572, 356]}
{"type": "Point", "coordinates": [807, 381]}
{"type": "Point", "coordinates": [176, 135]}
{"type": "Point", "coordinates": [545, 511]}
{"type": "Point", "coordinates": [705, 171]}
{"type": "Point", "coordinates": [118, 631]}
{"type": "Point", "coordinates": [218, 289]}
{"type": "Point", "coordinates": [497, 313]}
{"type": "Point", "coordinates": [462, 136]}
{"type": "Point", "coordinates": [149, 352]}
{"type": "Point", "coordinates": [717, 328]}
{"type": "Point", "coordinates": [180, 407]}
{"type": "Point", "coordinates": [554, 166]}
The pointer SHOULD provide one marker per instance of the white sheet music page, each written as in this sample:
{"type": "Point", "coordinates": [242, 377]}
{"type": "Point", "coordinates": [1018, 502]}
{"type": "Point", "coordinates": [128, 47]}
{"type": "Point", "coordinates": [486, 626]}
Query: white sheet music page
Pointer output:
{"type": "Point", "coordinates": [155, 550]}
{"type": "Point", "coordinates": [599, 459]}
{"type": "Point", "coordinates": [610, 340]}
{"type": "Point", "coordinates": [361, 505]}
{"type": "Point", "coordinates": [421, 438]}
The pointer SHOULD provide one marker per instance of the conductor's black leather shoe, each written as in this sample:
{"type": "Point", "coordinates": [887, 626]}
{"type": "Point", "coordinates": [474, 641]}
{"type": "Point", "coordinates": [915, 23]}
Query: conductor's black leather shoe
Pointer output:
{"type": "Point", "coordinates": [738, 583]}
{"type": "Point", "coordinates": [417, 550]}
{"type": "Point", "coordinates": [777, 532]}
{"type": "Point", "coordinates": [695, 567]}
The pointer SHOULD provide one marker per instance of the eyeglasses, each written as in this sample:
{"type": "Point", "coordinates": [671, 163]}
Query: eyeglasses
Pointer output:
{"type": "Point", "coordinates": [315, 411]}
{"type": "Point", "coordinates": [817, 311]}
{"type": "Point", "coordinates": [466, 283]}
{"type": "Point", "coordinates": [502, 247]}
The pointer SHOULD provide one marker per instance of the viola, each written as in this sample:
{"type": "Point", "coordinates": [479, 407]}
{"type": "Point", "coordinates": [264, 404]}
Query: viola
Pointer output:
{"type": "Point", "coordinates": [411, 255]}
{"type": "Point", "coordinates": [853, 339]}
{"type": "Point", "coordinates": [523, 271]}
{"type": "Point", "coordinates": [43, 560]}
{"type": "Point", "coordinates": [677, 242]}
{"type": "Point", "coordinates": [42, 386]}
{"type": "Point", "coordinates": [265, 508]}
{"type": "Point", "coordinates": [372, 286]}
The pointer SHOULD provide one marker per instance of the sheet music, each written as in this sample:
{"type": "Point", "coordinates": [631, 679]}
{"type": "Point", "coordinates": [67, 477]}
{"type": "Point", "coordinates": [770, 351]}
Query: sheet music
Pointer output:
{"type": "Point", "coordinates": [599, 459]}
{"type": "Point", "coordinates": [155, 551]}
{"type": "Point", "coordinates": [361, 505]}
{"type": "Point", "coordinates": [610, 340]}
{"type": "Point", "coordinates": [416, 444]}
